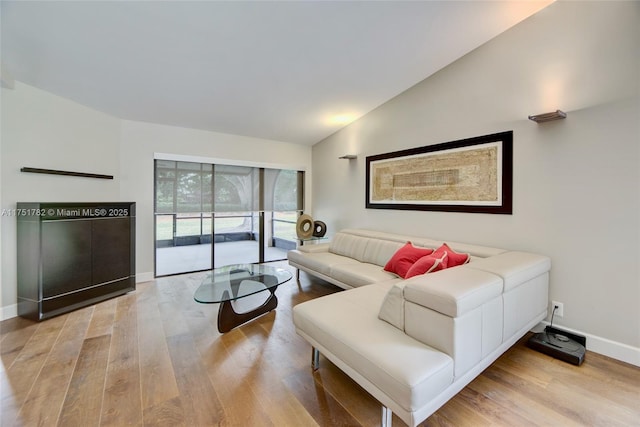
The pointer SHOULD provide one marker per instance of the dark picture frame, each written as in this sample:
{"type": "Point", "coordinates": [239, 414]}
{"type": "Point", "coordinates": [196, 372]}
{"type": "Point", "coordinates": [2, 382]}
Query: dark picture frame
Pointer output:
{"type": "Point", "coordinates": [468, 175]}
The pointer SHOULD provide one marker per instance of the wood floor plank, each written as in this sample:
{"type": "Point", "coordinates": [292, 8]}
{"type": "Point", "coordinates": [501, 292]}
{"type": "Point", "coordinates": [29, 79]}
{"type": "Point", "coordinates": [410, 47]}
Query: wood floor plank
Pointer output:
{"type": "Point", "coordinates": [531, 410]}
{"type": "Point", "coordinates": [14, 334]}
{"type": "Point", "coordinates": [122, 402]}
{"type": "Point", "coordinates": [458, 413]}
{"type": "Point", "coordinates": [580, 398]}
{"type": "Point", "coordinates": [261, 362]}
{"type": "Point", "coordinates": [168, 413]}
{"type": "Point", "coordinates": [83, 402]}
{"type": "Point", "coordinates": [616, 379]}
{"type": "Point", "coordinates": [361, 404]}
{"type": "Point", "coordinates": [172, 297]}
{"type": "Point", "coordinates": [154, 357]}
{"type": "Point", "coordinates": [521, 368]}
{"type": "Point", "coordinates": [103, 320]}
{"type": "Point", "coordinates": [26, 367]}
{"type": "Point", "coordinates": [201, 406]}
{"type": "Point", "coordinates": [437, 420]}
{"type": "Point", "coordinates": [490, 409]}
{"type": "Point", "coordinates": [247, 344]}
{"type": "Point", "coordinates": [241, 405]}
{"type": "Point", "coordinates": [44, 401]}
{"type": "Point", "coordinates": [158, 382]}
{"type": "Point", "coordinates": [590, 402]}
{"type": "Point", "coordinates": [320, 404]}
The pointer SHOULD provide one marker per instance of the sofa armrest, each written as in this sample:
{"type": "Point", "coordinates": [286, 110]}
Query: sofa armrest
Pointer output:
{"type": "Point", "coordinates": [311, 249]}
{"type": "Point", "coordinates": [514, 267]}
{"type": "Point", "coordinates": [454, 291]}
{"type": "Point", "coordinates": [457, 311]}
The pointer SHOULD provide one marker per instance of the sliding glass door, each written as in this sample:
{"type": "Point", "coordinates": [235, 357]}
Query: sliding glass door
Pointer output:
{"type": "Point", "coordinates": [235, 226]}
{"type": "Point", "coordinates": [182, 217]}
{"type": "Point", "coordinates": [213, 215]}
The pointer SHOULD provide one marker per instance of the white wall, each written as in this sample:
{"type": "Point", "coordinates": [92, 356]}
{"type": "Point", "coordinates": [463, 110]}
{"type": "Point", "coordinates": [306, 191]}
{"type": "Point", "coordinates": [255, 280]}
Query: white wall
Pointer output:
{"type": "Point", "coordinates": [576, 181]}
{"type": "Point", "coordinates": [140, 141]}
{"type": "Point", "coordinates": [46, 131]}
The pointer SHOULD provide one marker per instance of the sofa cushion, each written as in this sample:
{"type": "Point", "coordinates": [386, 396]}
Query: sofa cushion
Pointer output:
{"type": "Point", "coordinates": [428, 264]}
{"type": "Point", "coordinates": [360, 274]}
{"type": "Point", "coordinates": [320, 262]}
{"type": "Point", "coordinates": [349, 246]}
{"type": "Point", "coordinates": [453, 291]}
{"type": "Point", "coordinates": [346, 324]}
{"type": "Point", "coordinates": [310, 249]}
{"type": "Point", "coordinates": [380, 251]}
{"type": "Point", "coordinates": [514, 267]}
{"type": "Point", "coordinates": [404, 258]}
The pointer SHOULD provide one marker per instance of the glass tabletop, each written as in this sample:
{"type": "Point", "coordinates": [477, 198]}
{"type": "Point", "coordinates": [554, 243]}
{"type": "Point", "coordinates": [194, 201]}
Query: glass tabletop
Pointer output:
{"type": "Point", "coordinates": [238, 281]}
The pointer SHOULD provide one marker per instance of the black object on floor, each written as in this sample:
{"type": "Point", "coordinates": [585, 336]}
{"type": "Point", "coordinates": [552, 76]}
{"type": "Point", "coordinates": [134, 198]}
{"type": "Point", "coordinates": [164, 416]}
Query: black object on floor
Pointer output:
{"type": "Point", "coordinates": [559, 344]}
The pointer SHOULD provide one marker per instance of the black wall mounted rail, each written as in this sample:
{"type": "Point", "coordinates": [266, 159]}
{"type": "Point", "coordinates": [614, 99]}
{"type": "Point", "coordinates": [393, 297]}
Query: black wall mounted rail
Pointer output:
{"type": "Point", "coordinates": [67, 173]}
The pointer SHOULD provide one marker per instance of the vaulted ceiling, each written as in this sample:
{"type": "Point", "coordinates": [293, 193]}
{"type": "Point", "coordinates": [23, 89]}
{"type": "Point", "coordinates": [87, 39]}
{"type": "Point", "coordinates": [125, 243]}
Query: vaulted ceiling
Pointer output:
{"type": "Point", "coordinates": [294, 71]}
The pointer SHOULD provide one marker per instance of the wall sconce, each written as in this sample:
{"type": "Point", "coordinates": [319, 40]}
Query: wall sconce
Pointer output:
{"type": "Point", "coordinates": [348, 156]}
{"type": "Point", "coordinates": [547, 117]}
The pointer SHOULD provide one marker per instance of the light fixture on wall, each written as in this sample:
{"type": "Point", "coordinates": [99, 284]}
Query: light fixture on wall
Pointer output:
{"type": "Point", "coordinates": [348, 156]}
{"type": "Point", "coordinates": [547, 117]}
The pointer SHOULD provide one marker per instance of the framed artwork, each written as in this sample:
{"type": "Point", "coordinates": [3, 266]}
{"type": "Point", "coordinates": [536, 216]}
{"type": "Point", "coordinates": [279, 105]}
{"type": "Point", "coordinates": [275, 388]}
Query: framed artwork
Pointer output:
{"type": "Point", "coordinates": [468, 175]}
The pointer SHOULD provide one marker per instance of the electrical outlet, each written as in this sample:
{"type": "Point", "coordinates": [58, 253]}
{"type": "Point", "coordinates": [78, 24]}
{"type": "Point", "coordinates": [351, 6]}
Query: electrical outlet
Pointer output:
{"type": "Point", "coordinates": [559, 310]}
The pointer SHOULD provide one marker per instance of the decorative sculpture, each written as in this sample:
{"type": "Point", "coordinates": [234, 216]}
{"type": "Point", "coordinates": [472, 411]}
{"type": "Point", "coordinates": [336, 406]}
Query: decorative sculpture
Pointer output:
{"type": "Point", "coordinates": [306, 227]}
{"type": "Point", "coordinates": [319, 229]}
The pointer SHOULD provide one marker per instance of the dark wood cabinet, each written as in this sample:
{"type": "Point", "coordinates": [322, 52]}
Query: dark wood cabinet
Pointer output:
{"type": "Point", "coordinates": [71, 255]}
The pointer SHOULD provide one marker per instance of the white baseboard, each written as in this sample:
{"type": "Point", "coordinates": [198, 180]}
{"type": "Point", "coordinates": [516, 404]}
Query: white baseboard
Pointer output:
{"type": "Point", "coordinates": [615, 350]}
{"type": "Point", "coordinates": [9, 311]}
{"type": "Point", "coordinates": [144, 277]}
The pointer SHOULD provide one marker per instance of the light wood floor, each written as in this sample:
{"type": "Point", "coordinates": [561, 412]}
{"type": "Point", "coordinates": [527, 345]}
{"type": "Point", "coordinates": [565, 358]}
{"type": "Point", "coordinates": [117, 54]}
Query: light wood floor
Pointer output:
{"type": "Point", "coordinates": [155, 357]}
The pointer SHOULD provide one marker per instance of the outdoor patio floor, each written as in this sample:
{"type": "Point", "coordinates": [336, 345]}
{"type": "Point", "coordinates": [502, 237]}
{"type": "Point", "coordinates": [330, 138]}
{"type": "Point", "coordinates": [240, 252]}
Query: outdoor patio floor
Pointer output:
{"type": "Point", "coordinates": [182, 259]}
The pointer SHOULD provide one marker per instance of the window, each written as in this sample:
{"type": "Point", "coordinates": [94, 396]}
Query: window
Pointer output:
{"type": "Point", "coordinates": [199, 207]}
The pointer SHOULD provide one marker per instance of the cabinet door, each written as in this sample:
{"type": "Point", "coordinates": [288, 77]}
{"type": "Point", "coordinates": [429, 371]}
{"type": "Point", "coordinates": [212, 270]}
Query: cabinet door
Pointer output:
{"type": "Point", "coordinates": [66, 256]}
{"type": "Point", "coordinates": [111, 249]}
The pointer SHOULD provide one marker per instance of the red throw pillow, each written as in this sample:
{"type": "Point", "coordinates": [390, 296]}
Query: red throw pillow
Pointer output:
{"type": "Point", "coordinates": [427, 264]}
{"type": "Point", "coordinates": [404, 258]}
{"type": "Point", "coordinates": [453, 258]}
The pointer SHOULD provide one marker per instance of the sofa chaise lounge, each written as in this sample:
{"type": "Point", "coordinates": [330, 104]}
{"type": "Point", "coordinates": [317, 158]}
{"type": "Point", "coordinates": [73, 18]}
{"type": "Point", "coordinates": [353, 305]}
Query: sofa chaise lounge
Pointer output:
{"type": "Point", "coordinates": [413, 344]}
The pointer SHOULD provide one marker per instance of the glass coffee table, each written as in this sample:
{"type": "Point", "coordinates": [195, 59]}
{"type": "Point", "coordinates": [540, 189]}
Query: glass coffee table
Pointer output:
{"type": "Point", "coordinates": [232, 282]}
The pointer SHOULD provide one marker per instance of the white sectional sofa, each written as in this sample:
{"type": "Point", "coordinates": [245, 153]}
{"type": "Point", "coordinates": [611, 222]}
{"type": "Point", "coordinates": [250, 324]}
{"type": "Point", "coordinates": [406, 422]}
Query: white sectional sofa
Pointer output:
{"type": "Point", "coordinates": [413, 344]}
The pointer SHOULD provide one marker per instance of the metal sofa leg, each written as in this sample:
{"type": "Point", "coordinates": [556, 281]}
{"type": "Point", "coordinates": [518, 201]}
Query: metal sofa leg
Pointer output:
{"type": "Point", "coordinates": [298, 274]}
{"type": "Point", "coordinates": [315, 358]}
{"type": "Point", "coordinates": [387, 416]}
